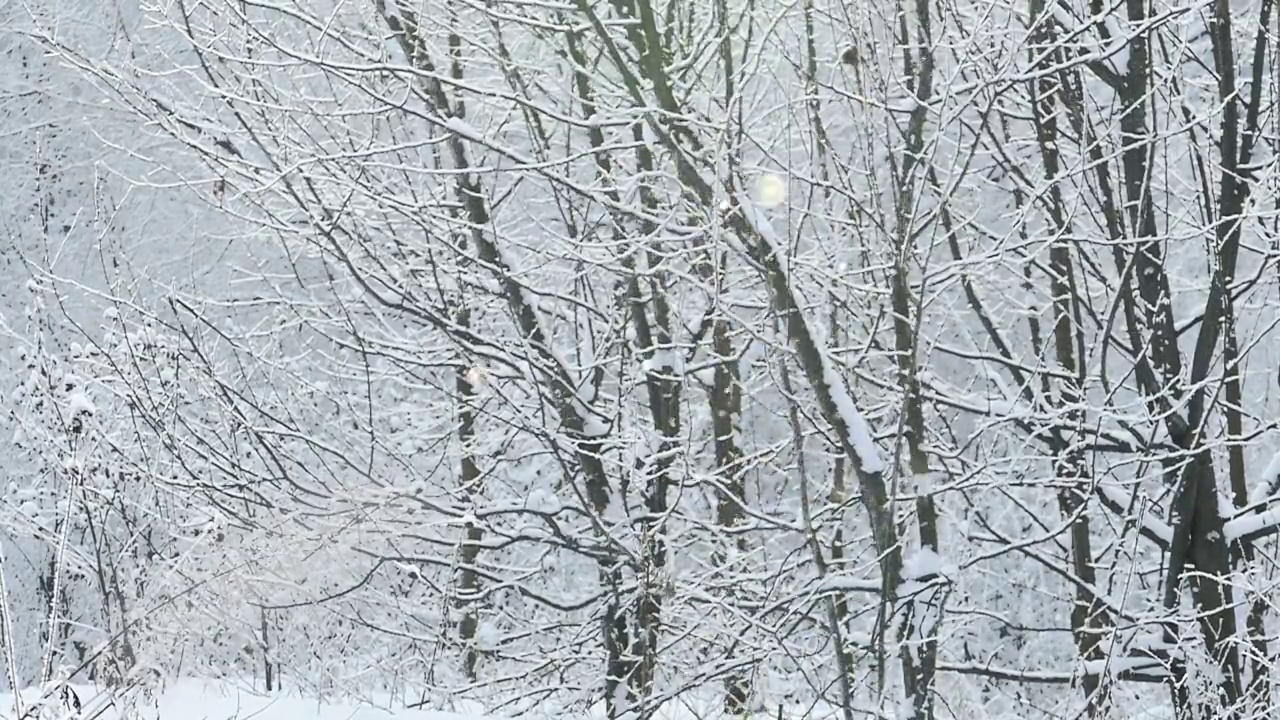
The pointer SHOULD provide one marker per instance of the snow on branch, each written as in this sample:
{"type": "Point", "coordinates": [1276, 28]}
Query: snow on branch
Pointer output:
{"type": "Point", "coordinates": [1150, 526]}
{"type": "Point", "coordinates": [1251, 525]}
{"type": "Point", "coordinates": [1270, 484]}
{"type": "Point", "coordinates": [1262, 516]}
{"type": "Point", "coordinates": [1132, 667]}
{"type": "Point", "coordinates": [857, 431]}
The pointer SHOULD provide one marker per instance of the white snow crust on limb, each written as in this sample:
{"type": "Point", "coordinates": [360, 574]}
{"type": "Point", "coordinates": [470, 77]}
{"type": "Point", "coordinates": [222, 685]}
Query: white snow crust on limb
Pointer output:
{"type": "Point", "coordinates": [926, 482]}
{"type": "Point", "coordinates": [859, 432]}
{"type": "Point", "coordinates": [78, 403]}
{"type": "Point", "coordinates": [1254, 519]}
{"type": "Point", "coordinates": [921, 564]}
{"type": "Point", "coordinates": [1249, 524]}
{"type": "Point", "coordinates": [1117, 665]}
{"type": "Point", "coordinates": [845, 583]}
{"type": "Point", "coordinates": [525, 163]}
{"type": "Point", "coordinates": [1270, 481]}
{"type": "Point", "coordinates": [583, 395]}
{"type": "Point", "coordinates": [1152, 524]}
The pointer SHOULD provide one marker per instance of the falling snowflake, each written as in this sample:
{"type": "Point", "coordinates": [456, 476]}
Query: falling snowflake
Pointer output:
{"type": "Point", "coordinates": [476, 376]}
{"type": "Point", "coordinates": [771, 190]}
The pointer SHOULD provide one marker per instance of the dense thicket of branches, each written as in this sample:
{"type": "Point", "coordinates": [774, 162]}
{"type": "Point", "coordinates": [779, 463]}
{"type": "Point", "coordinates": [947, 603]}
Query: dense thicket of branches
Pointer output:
{"type": "Point", "coordinates": [912, 359]}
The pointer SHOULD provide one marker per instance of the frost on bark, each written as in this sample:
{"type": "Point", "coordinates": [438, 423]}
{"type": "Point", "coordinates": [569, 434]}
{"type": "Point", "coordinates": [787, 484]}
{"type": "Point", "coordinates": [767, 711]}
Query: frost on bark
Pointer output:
{"type": "Point", "coordinates": [726, 407]}
{"type": "Point", "coordinates": [924, 613]}
{"type": "Point", "coordinates": [645, 105]}
{"type": "Point", "coordinates": [1198, 553]}
{"type": "Point", "coordinates": [633, 656]}
{"type": "Point", "coordinates": [1178, 396]}
{"type": "Point", "coordinates": [756, 237]}
{"type": "Point", "coordinates": [578, 418]}
{"type": "Point", "coordinates": [468, 554]}
{"type": "Point", "coordinates": [841, 413]}
{"type": "Point", "coordinates": [468, 579]}
{"type": "Point", "coordinates": [1089, 617]}
{"type": "Point", "coordinates": [582, 426]}
{"type": "Point", "coordinates": [664, 388]}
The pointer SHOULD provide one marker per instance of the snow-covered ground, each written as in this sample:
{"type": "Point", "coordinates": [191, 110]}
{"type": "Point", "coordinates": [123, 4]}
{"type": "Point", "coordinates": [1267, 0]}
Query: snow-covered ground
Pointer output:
{"type": "Point", "coordinates": [208, 700]}
{"type": "Point", "coordinates": [191, 699]}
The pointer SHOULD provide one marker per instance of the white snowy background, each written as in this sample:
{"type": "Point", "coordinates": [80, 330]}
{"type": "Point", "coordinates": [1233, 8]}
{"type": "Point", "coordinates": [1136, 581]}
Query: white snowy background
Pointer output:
{"type": "Point", "coordinates": [644, 359]}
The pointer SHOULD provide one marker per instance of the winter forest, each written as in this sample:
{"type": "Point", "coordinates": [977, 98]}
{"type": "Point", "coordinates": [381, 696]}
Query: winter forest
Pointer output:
{"type": "Point", "coordinates": [644, 359]}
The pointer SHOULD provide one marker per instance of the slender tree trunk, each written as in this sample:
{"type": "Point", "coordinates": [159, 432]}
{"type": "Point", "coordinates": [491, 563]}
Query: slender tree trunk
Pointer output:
{"type": "Point", "coordinates": [268, 673]}
{"type": "Point", "coordinates": [838, 498]}
{"type": "Point", "coordinates": [1088, 617]}
{"type": "Point", "coordinates": [578, 418]}
{"type": "Point", "coordinates": [468, 583]}
{"type": "Point", "coordinates": [726, 406]}
{"type": "Point", "coordinates": [1256, 661]}
{"type": "Point", "coordinates": [920, 641]}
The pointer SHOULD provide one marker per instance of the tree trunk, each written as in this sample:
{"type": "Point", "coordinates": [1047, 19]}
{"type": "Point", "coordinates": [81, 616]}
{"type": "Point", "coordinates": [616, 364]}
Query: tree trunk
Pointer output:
{"type": "Point", "coordinates": [1088, 617]}
{"type": "Point", "coordinates": [468, 583]}
{"type": "Point", "coordinates": [726, 406]}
